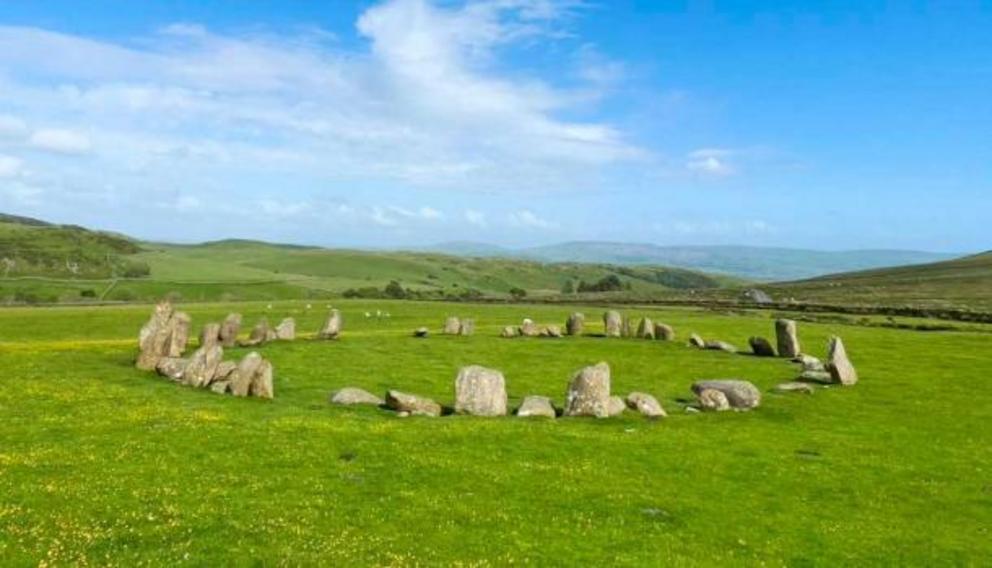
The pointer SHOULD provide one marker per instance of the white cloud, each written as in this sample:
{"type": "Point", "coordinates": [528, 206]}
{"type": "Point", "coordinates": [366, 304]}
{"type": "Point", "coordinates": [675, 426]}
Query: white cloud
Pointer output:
{"type": "Point", "coordinates": [10, 167]}
{"type": "Point", "coordinates": [60, 141]}
{"type": "Point", "coordinates": [430, 213]}
{"type": "Point", "coordinates": [379, 217]}
{"type": "Point", "coordinates": [710, 161]}
{"type": "Point", "coordinates": [476, 218]}
{"type": "Point", "coordinates": [11, 126]}
{"type": "Point", "coordinates": [527, 218]}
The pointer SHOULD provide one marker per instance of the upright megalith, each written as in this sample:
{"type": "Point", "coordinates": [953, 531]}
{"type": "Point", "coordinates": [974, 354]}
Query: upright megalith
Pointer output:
{"type": "Point", "coordinates": [508, 331]}
{"type": "Point", "coordinates": [229, 330]}
{"type": "Point", "coordinates": [164, 335]}
{"type": "Point", "coordinates": [480, 391]}
{"type": "Point", "coordinates": [252, 377]}
{"type": "Point", "coordinates": [210, 335]}
{"type": "Point", "coordinates": [788, 338]}
{"type": "Point", "coordinates": [466, 327]}
{"type": "Point", "coordinates": [332, 326]}
{"type": "Point", "coordinates": [761, 347]}
{"type": "Point", "coordinates": [626, 327]}
{"type": "Point", "coordinates": [286, 330]}
{"type": "Point", "coordinates": [589, 392]}
{"type": "Point", "coordinates": [839, 365]}
{"type": "Point", "coordinates": [452, 326]}
{"type": "Point", "coordinates": [575, 323]}
{"type": "Point", "coordinates": [645, 329]}
{"type": "Point", "coordinates": [260, 334]}
{"type": "Point", "coordinates": [612, 322]}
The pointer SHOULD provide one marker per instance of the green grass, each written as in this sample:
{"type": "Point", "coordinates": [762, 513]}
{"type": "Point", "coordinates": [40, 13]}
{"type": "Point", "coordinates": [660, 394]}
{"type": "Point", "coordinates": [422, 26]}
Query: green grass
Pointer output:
{"type": "Point", "coordinates": [104, 464]}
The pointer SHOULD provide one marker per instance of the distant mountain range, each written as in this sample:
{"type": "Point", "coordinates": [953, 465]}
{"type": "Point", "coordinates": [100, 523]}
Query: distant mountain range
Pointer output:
{"type": "Point", "coordinates": [757, 263]}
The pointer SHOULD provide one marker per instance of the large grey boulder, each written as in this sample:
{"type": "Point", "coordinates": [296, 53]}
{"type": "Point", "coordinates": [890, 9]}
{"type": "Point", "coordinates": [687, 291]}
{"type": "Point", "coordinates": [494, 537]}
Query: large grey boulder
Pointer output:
{"type": "Point", "coordinates": [164, 335]}
{"type": "Point", "coordinates": [664, 332]}
{"type": "Point", "coordinates": [286, 330]}
{"type": "Point", "coordinates": [466, 327]}
{"type": "Point", "coordinates": [172, 367]}
{"type": "Point", "coordinates": [242, 377]}
{"type": "Point", "coordinates": [838, 365]}
{"type": "Point", "coordinates": [412, 404]}
{"type": "Point", "coordinates": [589, 392]}
{"type": "Point", "coordinates": [229, 330]}
{"type": "Point", "coordinates": [788, 338]}
{"type": "Point", "coordinates": [452, 326]}
{"type": "Point", "coordinates": [720, 346]}
{"type": "Point", "coordinates": [480, 391]}
{"type": "Point", "coordinates": [210, 335]}
{"type": "Point", "coordinates": [536, 406]}
{"type": "Point", "coordinates": [741, 395]}
{"type": "Point", "coordinates": [261, 382]}
{"type": "Point", "coordinates": [645, 329]}
{"type": "Point", "coordinates": [203, 366]}
{"type": "Point", "coordinates": [612, 322]}
{"type": "Point", "coordinates": [810, 363]}
{"type": "Point", "coordinates": [761, 347]}
{"type": "Point", "coordinates": [646, 404]}
{"type": "Point", "coordinates": [575, 323]}
{"type": "Point", "coordinates": [332, 326]}
{"type": "Point", "coordinates": [350, 396]}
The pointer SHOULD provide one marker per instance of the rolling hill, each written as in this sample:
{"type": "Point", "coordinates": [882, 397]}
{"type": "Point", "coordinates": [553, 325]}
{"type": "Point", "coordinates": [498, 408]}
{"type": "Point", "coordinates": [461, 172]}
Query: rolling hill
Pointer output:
{"type": "Point", "coordinates": [754, 263]}
{"type": "Point", "coordinates": [962, 283]}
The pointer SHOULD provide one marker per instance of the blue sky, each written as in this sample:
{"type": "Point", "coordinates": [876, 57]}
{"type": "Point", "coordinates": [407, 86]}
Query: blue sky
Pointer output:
{"type": "Point", "coordinates": [829, 125]}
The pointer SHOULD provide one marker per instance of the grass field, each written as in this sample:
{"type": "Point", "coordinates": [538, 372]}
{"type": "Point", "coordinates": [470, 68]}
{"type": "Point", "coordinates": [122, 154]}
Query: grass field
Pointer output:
{"type": "Point", "coordinates": [104, 464]}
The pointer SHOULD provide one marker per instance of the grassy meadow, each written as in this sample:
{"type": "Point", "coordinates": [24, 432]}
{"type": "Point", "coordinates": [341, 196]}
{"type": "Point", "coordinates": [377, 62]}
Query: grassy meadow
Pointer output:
{"type": "Point", "coordinates": [104, 464]}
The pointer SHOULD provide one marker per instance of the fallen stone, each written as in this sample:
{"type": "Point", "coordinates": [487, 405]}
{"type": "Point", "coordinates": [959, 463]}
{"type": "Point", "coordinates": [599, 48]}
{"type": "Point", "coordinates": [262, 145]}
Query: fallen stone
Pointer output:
{"type": "Point", "coordinates": [821, 377]}
{"type": "Point", "coordinates": [412, 404]}
{"type": "Point", "coordinates": [220, 387]}
{"type": "Point", "coordinates": [480, 392]}
{"type": "Point", "coordinates": [551, 331]}
{"type": "Point", "coordinates": [172, 367]}
{"type": "Point", "coordinates": [712, 400]}
{"type": "Point", "coordinates": [536, 406]}
{"type": "Point", "coordinates": [761, 347]}
{"type": "Point", "coordinates": [589, 392]}
{"type": "Point", "coordinates": [794, 386]}
{"type": "Point", "coordinates": [740, 394]}
{"type": "Point", "coordinates": [838, 365]}
{"type": "Point", "coordinates": [810, 363]}
{"type": "Point", "coordinates": [615, 406]}
{"type": "Point", "coordinates": [721, 346]}
{"type": "Point", "coordinates": [508, 331]}
{"type": "Point", "coordinates": [529, 329]}
{"type": "Point", "coordinates": [664, 332]}
{"type": "Point", "coordinates": [788, 338]}
{"type": "Point", "coordinates": [696, 341]}
{"type": "Point", "coordinates": [646, 404]}
{"type": "Point", "coordinates": [350, 396]}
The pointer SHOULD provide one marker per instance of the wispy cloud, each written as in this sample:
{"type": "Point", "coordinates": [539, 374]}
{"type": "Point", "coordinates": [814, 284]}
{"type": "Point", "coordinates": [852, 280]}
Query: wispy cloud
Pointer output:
{"type": "Point", "coordinates": [476, 218]}
{"type": "Point", "coordinates": [529, 219]}
{"type": "Point", "coordinates": [10, 167]}
{"type": "Point", "coordinates": [711, 161]}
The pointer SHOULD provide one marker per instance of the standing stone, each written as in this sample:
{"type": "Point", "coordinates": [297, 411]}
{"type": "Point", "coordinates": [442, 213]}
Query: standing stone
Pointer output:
{"type": "Point", "coordinates": [712, 399]}
{"type": "Point", "coordinates": [664, 332]}
{"type": "Point", "coordinates": [164, 335]}
{"type": "Point", "coordinates": [410, 404]}
{"type": "Point", "coordinates": [202, 366]}
{"type": "Point", "coordinates": [259, 334]}
{"type": "Point", "coordinates": [210, 335]}
{"type": "Point", "coordinates": [466, 327]}
{"type": "Point", "coordinates": [286, 330]}
{"type": "Point", "coordinates": [615, 406]}
{"type": "Point", "coordinates": [332, 326]}
{"type": "Point", "coordinates": [508, 331]}
{"type": "Point", "coordinates": [645, 404]}
{"type": "Point", "coordinates": [181, 324]}
{"type": "Point", "coordinates": [612, 321]}
{"type": "Point", "coordinates": [242, 377]}
{"type": "Point", "coordinates": [349, 396]}
{"type": "Point", "coordinates": [589, 392]}
{"type": "Point", "coordinates": [788, 338]}
{"type": "Point", "coordinates": [480, 391]}
{"type": "Point", "coordinates": [452, 326]}
{"type": "Point", "coordinates": [529, 329]}
{"type": "Point", "coordinates": [224, 370]}
{"type": "Point", "coordinates": [261, 381]}
{"type": "Point", "coordinates": [229, 330]}
{"type": "Point", "coordinates": [626, 327]}
{"type": "Point", "coordinates": [696, 341]}
{"type": "Point", "coordinates": [761, 347]}
{"type": "Point", "coordinates": [575, 323]}
{"type": "Point", "coordinates": [551, 331]}
{"type": "Point", "coordinates": [645, 329]}
{"type": "Point", "coordinates": [840, 367]}
{"type": "Point", "coordinates": [536, 406]}
{"type": "Point", "coordinates": [740, 394]}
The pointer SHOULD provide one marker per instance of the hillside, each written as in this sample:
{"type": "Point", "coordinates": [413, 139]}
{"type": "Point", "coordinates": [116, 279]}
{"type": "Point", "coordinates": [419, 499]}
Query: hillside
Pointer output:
{"type": "Point", "coordinates": [960, 283]}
